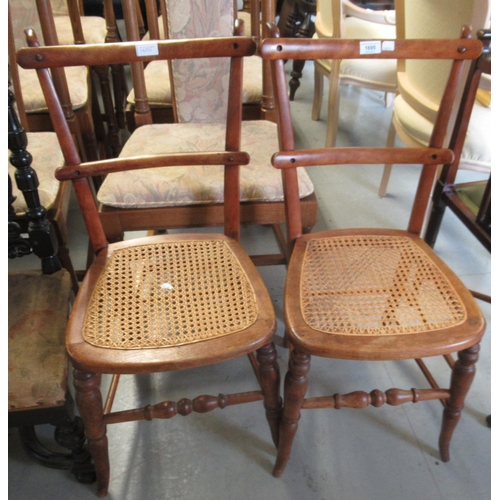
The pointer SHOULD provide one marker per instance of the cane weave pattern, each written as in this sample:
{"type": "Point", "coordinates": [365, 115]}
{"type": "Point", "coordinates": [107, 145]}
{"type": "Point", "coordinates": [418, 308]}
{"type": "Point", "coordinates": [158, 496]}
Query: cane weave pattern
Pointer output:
{"type": "Point", "coordinates": [375, 285]}
{"type": "Point", "coordinates": [169, 294]}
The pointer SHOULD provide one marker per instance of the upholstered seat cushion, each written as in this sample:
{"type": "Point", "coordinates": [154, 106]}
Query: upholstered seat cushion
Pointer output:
{"type": "Point", "coordinates": [94, 29]}
{"type": "Point", "coordinates": [47, 157]}
{"type": "Point", "coordinates": [476, 154]}
{"type": "Point", "coordinates": [174, 186]}
{"type": "Point", "coordinates": [156, 75]}
{"type": "Point", "coordinates": [34, 102]}
{"type": "Point", "coordinates": [38, 312]}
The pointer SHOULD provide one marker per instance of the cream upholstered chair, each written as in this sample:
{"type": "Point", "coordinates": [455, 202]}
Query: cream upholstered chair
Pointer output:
{"type": "Point", "coordinates": [421, 83]}
{"type": "Point", "coordinates": [342, 19]}
{"type": "Point", "coordinates": [156, 73]}
{"type": "Point", "coordinates": [178, 197]}
{"type": "Point", "coordinates": [175, 301]}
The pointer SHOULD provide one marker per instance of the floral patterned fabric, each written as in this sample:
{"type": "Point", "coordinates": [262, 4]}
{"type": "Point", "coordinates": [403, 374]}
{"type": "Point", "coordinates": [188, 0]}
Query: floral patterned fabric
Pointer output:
{"type": "Point", "coordinates": [38, 312]}
{"type": "Point", "coordinates": [24, 15]}
{"type": "Point", "coordinates": [178, 186]}
{"type": "Point", "coordinates": [157, 78]}
{"type": "Point", "coordinates": [197, 19]}
{"type": "Point", "coordinates": [200, 85]}
{"type": "Point", "coordinates": [47, 157]}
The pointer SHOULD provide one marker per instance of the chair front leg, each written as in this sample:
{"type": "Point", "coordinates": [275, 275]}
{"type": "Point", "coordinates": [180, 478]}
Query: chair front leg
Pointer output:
{"type": "Point", "coordinates": [269, 377]}
{"type": "Point", "coordinates": [89, 401]}
{"type": "Point", "coordinates": [461, 380]}
{"type": "Point", "coordinates": [296, 382]}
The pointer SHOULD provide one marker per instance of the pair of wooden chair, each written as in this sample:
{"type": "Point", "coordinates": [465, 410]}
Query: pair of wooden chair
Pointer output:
{"type": "Point", "coordinates": [173, 302]}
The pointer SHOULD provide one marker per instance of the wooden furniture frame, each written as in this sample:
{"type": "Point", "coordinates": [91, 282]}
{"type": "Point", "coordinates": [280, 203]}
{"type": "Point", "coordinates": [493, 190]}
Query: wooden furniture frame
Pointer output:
{"type": "Point", "coordinates": [141, 354]}
{"type": "Point", "coordinates": [344, 296]}
{"type": "Point", "coordinates": [446, 191]}
{"type": "Point", "coordinates": [30, 407]}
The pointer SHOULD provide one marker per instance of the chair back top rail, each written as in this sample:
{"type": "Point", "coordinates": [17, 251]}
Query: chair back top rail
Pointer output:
{"type": "Point", "coordinates": [36, 57]}
{"type": "Point", "coordinates": [458, 49]}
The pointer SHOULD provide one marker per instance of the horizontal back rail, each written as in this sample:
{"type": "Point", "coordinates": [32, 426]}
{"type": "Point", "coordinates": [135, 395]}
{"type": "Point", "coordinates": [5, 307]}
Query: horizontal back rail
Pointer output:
{"type": "Point", "coordinates": [459, 49]}
{"type": "Point", "coordinates": [127, 52]}
{"type": "Point", "coordinates": [105, 167]}
{"type": "Point", "coordinates": [374, 156]}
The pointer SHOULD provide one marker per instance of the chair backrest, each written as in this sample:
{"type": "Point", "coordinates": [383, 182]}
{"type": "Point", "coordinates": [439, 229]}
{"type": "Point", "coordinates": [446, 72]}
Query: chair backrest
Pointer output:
{"type": "Point", "coordinates": [42, 58]}
{"type": "Point", "coordinates": [422, 82]}
{"type": "Point", "coordinates": [41, 236]}
{"type": "Point", "coordinates": [289, 159]}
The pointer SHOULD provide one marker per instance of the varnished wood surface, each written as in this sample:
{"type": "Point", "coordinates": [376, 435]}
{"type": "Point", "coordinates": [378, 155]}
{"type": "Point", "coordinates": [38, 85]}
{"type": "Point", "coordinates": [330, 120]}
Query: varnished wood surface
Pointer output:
{"type": "Point", "coordinates": [126, 52]}
{"type": "Point", "coordinates": [350, 49]}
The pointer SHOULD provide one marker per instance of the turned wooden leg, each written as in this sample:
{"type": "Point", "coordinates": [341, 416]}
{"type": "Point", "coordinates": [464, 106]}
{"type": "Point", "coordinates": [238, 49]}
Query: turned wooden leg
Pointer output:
{"type": "Point", "coordinates": [269, 377]}
{"type": "Point", "coordinates": [89, 401]}
{"type": "Point", "coordinates": [461, 380]}
{"type": "Point", "coordinates": [295, 389]}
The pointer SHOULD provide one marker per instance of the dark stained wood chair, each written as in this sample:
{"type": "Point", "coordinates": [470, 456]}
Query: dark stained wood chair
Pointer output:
{"type": "Point", "coordinates": [38, 308]}
{"type": "Point", "coordinates": [167, 302]}
{"type": "Point", "coordinates": [470, 202]}
{"type": "Point", "coordinates": [53, 195]}
{"type": "Point", "coordinates": [372, 294]}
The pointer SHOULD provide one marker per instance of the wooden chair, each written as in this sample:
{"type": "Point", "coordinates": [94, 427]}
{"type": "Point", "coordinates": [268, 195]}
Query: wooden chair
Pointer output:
{"type": "Point", "coordinates": [167, 302]}
{"type": "Point", "coordinates": [185, 198]}
{"type": "Point", "coordinates": [372, 294]}
{"type": "Point", "coordinates": [342, 19]}
{"type": "Point", "coordinates": [421, 83]}
{"type": "Point", "coordinates": [156, 90]}
{"type": "Point", "coordinates": [39, 302]}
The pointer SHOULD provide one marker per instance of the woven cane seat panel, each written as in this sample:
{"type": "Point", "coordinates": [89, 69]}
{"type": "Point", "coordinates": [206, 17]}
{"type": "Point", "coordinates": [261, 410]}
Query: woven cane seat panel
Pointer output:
{"type": "Point", "coordinates": [375, 285]}
{"type": "Point", "coordinates": [169, 294]}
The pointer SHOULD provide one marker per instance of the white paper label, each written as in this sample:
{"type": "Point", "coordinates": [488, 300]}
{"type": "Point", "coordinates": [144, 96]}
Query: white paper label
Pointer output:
{"type": "Point", "coordinates": [146, 49]}
{"type": "Point", "coordinates": [388, 45]}
{"type": "Point", "coordinates": [372, 47]}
